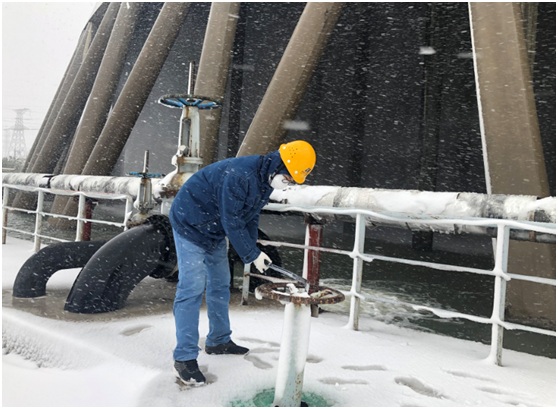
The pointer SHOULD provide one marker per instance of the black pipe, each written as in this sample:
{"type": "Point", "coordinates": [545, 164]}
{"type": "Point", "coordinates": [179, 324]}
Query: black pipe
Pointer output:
{"type": "Point", "coordinates": [31, 279]}
{"type": "Point", "coordinates": [107, 280]}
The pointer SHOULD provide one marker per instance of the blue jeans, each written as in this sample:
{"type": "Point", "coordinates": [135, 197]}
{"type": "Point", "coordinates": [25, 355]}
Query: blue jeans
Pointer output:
{"type": "Point", "coordinates": [200, 271]}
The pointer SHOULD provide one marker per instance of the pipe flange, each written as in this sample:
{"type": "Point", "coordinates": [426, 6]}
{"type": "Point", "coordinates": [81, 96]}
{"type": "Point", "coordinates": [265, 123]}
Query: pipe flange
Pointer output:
{"type": "Point", "coordinates": [284, 292]}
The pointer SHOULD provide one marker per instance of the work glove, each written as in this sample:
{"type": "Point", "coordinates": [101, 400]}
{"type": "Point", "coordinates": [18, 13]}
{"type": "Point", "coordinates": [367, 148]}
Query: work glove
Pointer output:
{"type": "Point", "coordinates": [263, 262]}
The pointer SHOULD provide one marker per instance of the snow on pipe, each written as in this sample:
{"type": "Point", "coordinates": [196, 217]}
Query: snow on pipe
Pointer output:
{"type": "Point", "coordinates": [420, 203]}
{"type": "Point", "coordinates": [405, 204]}
{"type": "Point", "coordinates": [449, 205]}
{"type": "Point", "coordinates": [78, 183]}
{"type": "Point", "coordinates": [402, 203]}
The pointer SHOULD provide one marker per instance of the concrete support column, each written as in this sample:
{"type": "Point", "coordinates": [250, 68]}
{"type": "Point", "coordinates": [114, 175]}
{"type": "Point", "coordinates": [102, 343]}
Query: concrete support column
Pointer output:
{"type": "Point", "coordinates": [67, 119]}
{"type": "Point", "coordinates": [60, 96]}
{"type": "Point", "coordinates": [289, 83]}
{"type": "Point", "coordinates": [514, 161]}
{"type": "Point", "coordinates": [98, 105]}
{"type": "Point", "coordinates": [28, 200]}
{"type": "Point", "coordinates": [213, 71]}
{"type": "Point", "coordinates": [100, 100]}
{"type": "Point", "coordinates": [513, 153]}
{"type": "Point", "coordinates": [133, 96]}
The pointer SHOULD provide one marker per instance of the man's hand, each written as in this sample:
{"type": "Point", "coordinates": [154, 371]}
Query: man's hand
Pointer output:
{"type": "Point", "coordinates": [263, 262]}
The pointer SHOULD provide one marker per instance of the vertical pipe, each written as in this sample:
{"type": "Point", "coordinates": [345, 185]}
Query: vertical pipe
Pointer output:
{"type": "Point", "coordinates": [358, 249]}
{"type": "Point", "coordinates": [292, 356]}
{"type": "Point", "coordinates": [191, 77]}
{"type": "Point", "coordinates": [291, 78]}
{"type": "Point", "coordinates": [213, 71]}
{"type": "Point", "coordinates": [434, 68]}
{"type": "Point", "coordinates": [500, 267]}
{"type": "Point", "coordinates": [39, 221]}
{"type": "Point", "coordinates": [134, 95]}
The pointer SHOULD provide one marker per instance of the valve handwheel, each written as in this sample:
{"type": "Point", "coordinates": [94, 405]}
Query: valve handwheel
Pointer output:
{"type": "Point", "coordinates": [187, 100]}
{"type": "Point", "coordinates": [282, 292]}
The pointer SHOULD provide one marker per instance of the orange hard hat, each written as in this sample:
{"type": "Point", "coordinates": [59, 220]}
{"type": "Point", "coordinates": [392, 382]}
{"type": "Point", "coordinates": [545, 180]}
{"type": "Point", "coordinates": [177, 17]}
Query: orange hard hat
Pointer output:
{"type": "Point", "coordinates": [299, 157]}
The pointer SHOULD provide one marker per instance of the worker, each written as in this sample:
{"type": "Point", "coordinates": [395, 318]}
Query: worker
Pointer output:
{"type": "Point", "coordinates": [223, 201]}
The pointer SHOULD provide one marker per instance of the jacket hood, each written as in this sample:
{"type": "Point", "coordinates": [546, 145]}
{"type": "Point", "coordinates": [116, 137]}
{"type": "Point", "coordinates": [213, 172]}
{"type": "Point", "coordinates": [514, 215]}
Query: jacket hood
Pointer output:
{"type": "Point", "coordinates": [271, 163]}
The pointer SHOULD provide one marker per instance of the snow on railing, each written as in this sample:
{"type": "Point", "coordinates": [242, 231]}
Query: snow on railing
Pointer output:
{"type": "Point", "coordinates": [40, 213]}
{"type": "Point", "coordinates": [362, 218]}
{"type": "Point", "coordinates": [497, 320]}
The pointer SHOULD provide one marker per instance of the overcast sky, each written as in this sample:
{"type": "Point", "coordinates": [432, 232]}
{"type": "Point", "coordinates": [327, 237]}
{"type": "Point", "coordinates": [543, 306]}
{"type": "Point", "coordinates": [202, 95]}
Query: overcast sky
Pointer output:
{"type": "Point", "coordinates": [38, 40]}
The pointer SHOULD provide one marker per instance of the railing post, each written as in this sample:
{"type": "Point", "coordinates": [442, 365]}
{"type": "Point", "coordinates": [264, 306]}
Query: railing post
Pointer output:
{"type": "Point", "coordinates": [358, 250]}
{"type": "Point", "coordinates": [245, 285]}
{"type": "Point", "coordinates": [128, 211]}
{"type": "Point", "coordinates": [499, 309]}
{"type": "Point", "coordinates": [81, 215]}
{"type": "Point", "coordinates": [311, 269]}
{"type": "Point", "coordinates": [5, 214]}
{"type": "Point", "coordinates": [39, 221]}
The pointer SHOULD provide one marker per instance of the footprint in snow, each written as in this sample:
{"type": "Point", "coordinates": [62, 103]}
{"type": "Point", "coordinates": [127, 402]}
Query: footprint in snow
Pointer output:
{"type": "Point", "coordinates": [365, 367]}
{"type": "Point", "coordinates": [339, 381]}
{"type": "Point", "coordinates": [134, 330]}
{"type": "Point", "coordinates": [313, 359]}
{"type": "Point", "coordinates": [419, 387]}
{"type": "Point", "coordinates": [468, 375]}
{"type": "Point", "coordinates": [257, 362]}
{"type": "Point", "coordinates": [260, 341]}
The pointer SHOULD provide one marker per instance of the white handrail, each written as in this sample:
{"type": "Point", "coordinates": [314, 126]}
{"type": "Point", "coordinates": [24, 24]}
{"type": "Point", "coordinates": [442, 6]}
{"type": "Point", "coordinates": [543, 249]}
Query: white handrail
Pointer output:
{"type": "Point", "coordinates": [499, 271]}
{"type": "Point", "coordinates": [39, 212]}
{"type": "Point", "coordinates": [362, 217]}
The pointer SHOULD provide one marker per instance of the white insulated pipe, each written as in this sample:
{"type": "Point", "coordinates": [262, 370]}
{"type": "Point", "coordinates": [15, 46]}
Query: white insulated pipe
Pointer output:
{"type": "Point", "coordinates": [402, 204]}
{"type": "Point", "coordinates": [414, 203]}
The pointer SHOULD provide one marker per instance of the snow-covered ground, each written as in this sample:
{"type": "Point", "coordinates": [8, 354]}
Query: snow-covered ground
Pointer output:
{"type": "Point", "coordinates": [54, 358]}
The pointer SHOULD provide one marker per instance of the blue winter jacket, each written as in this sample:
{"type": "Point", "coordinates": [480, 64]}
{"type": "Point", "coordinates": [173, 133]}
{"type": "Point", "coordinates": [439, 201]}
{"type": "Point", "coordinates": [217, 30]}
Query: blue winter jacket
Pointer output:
{"type": "Point", "coordinates": [225, 199]}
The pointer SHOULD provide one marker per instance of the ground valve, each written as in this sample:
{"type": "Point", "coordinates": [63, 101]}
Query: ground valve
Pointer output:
{"type": "Point", "coordinates": [296, 294]}
{"type": "Point", "coordinates": [296, 335]}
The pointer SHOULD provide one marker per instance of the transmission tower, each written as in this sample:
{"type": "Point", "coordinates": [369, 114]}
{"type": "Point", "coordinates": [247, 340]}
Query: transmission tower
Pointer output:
{"type": "Point", "coordinates": [16, 148]}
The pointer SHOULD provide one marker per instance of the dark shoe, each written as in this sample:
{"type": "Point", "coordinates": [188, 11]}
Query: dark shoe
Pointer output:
{"type": "Point", "coordinates": [189, 373]}
{"type": "Point", "coordinates": [228, 348]}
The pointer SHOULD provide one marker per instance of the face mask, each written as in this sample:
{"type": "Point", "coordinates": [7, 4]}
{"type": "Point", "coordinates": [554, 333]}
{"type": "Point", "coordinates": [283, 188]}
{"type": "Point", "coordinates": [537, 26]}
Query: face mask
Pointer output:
{"type": "Point", "coordinates": [281, 182]}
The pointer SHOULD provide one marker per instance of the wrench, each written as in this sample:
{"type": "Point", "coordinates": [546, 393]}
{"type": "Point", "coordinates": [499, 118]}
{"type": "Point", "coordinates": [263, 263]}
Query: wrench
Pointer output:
{"type": "Point", "coordinates": [291, 275]}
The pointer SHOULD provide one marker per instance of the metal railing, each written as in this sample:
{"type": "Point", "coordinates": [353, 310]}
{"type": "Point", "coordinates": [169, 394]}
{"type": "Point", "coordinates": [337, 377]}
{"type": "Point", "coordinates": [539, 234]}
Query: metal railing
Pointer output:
{"type": "Point", "coordinates": [40, 213]}
{"type": "Point", "coordinates": [357, 254]}
{"type": "Point", "coordinates": [499, 271]}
